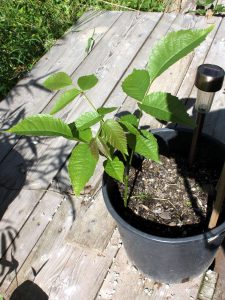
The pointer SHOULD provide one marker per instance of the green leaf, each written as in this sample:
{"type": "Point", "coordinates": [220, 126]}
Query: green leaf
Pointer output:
{"type": "Point", "coordinates": [114, 168]}
{"type": "Point", "coordinates": [94, 148]}
{"type": "Point", "coordinates": [80, 135]}
{"type": "Point", "coordinates": [106, 110]}
{"type": "Point", "coordinates": [42, 125]}
{"type": "Point", "coordinates": [132, 119]}
{"type": "Point", "coordinates": [130, 127]}
{"type": "Point", "coordinates": [87, 82]}
{"type": "Point", "coordinates": [154, 153]}
{"type": "Point", "coordinates": [103, 147]}
{"type": "Point", "coordinates": [136, 84]}
{"type": "Point", "coordinates": [87, 119]}
{"type": "Point", "coordinates": [145, 145]}
{"type": "Point", "coordinates": [113, 134]}
{"type": "Point", "coordinates": [64, 100]}
{"type": "Point", "coordinates": [204, 2]}
{"type": "Point", "coordinates": [90, 45]}
{"type": "Point", "coordinates": [166, 107]}
{"type": "Point", "coordinates": [57, 81]}
{"type": "Point", "coordinates": [173, 47]}
{"type": "Point", "coordinates": [81, 167]}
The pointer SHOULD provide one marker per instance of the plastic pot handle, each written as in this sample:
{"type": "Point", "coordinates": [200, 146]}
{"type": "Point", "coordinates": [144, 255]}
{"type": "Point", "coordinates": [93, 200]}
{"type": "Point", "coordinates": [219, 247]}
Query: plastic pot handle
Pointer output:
{"type": "Point", "coordinates": [213, 237]}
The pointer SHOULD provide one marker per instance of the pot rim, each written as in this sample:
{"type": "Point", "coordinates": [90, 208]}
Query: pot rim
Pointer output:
{"type": "Point", "coordinates": [208, 236]}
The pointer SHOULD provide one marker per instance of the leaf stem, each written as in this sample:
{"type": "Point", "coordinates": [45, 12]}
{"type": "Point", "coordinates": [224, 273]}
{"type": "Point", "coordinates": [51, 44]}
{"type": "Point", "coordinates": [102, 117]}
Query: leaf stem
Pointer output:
{"type": "Point", "coordinates": [89, 101]}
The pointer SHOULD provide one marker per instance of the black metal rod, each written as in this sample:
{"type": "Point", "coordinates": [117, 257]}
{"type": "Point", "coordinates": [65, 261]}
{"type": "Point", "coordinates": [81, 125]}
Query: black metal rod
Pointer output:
{"type": "Point", "coordinates": [197, 131]}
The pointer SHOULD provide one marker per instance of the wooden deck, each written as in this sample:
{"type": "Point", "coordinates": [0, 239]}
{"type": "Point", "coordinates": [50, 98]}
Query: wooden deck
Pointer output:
{"type": "Point", "coordinates": [57, 246]}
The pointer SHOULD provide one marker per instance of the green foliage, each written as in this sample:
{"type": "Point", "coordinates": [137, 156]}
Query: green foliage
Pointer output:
{"type": "Point", "coordinates": [132, 119]}
{"type": "Point", "coordinates": [27, 30]}
{"type": "Point", "coordinates": [208, 8]}
{"type": "Point", "coordinates": [145, 144]}
{"type": "Point", "coordinates": [87, 119]}
{"type": "Point", "coordinates": [106, 110]}
{"type": "Point", "coordinates": [204, 2]}
{"type": "Point", "coordinates": [114, 168]}
{"type": "Point", "coordinates": [166, 107]}
{"type": "Point", "coordinates": [136, 84]}
{"type": "Point", "coordinates": [80, 135]}
{"type": "Point", "coordinates": [131, 128]}
{"type": "Point", "coordinates": [144, 5]}
{"type": "Point", "coordinates": [113, 134]}
{"type": "Point", "coordinates": [173, 47]}
{"type": "Point", "coordinates": [81, 166]}
{"type": "Point", "coordinates": [42, 125]}
{"type": "Point", "coordinates": [94, 148]}
{"type": "Point", "coordinates": [87, 82]}
{"type": "Point", "coordinates": [116, 135]}
{"type": "Point", "coordinates": [103, 147]}
{"type": "Point", "coordinates": [65, 99]}
{"type": "Point", "coordinates": [57, 81]}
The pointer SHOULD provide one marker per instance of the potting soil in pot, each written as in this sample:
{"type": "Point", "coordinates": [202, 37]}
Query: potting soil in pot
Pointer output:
{"type": "Point", "coordinates": [171, 199]}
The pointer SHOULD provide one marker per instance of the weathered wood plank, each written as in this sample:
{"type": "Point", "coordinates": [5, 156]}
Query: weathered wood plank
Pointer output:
{"type": "Point", "coordinates": [59, 192]}
{"type": "Point", "coordinates": [219, 268]}
{"type": "Point", "coordinates": [67, 55]}
{"type": "Point", "coordinates": [94, 229]}
{"type": "Point", "coordinates": [31, 232]}
{"type": "Point", "coordinates": [83, 274]}
{"type": "Point", "coordinates": [47, 247]}
{"type": "Point", "coordinates": [123, 281]}
{"type": "Point", "coordinates": [187, 5]}
{"type": "Point", "coordinates": [28, 97]}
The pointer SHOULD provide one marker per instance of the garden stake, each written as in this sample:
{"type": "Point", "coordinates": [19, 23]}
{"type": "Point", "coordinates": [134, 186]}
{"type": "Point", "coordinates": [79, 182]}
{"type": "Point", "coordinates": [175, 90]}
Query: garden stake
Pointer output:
{"type": "Point", "coordinates": [219, 200]}
{"type": "Point", "coordinates": [209, 79]}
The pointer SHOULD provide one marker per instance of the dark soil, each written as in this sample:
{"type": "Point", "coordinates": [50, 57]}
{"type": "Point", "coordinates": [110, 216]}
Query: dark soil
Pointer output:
{"type": "Point", "coordinates": [171, 199]}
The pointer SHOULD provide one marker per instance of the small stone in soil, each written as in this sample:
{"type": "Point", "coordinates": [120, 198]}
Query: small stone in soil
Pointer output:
{"type": "Point", "coordinates": [165, 215]}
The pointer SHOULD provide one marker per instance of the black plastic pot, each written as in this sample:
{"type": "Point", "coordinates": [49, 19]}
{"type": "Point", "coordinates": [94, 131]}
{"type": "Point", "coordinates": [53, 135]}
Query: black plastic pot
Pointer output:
{"type": "Point", "coordinates": [168, 260]}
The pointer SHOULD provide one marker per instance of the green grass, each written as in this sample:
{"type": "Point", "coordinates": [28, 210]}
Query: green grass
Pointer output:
{"type": "Point", "coordinates": [28, 28]}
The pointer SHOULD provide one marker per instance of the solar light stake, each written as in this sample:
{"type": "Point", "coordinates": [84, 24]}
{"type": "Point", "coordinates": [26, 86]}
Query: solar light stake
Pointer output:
{"type": "Point", "coordinates": [219, 200]}
{"type": "Point", "coordinates": [209, 79]}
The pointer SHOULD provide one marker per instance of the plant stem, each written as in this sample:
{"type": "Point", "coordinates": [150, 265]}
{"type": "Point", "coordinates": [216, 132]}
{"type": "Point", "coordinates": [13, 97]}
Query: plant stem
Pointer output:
{"type": "Point", "coordinates": [125, 197]}
{"type": "Point", "coordinates": [89, 101]}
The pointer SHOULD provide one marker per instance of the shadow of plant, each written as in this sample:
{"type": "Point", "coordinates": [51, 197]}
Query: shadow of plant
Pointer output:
{"type": "Point", "coordinates": [8, 263]}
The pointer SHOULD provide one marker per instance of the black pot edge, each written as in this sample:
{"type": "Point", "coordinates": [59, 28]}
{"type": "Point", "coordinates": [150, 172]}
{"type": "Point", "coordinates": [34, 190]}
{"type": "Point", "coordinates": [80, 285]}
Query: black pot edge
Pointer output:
{"type": "Point", "coordinates": [208, 235]}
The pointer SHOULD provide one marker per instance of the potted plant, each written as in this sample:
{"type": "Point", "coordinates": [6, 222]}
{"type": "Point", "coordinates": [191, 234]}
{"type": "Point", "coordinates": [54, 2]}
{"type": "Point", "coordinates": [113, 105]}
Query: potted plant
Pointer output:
{"type": "Point", "coordinates": [124, 144]}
